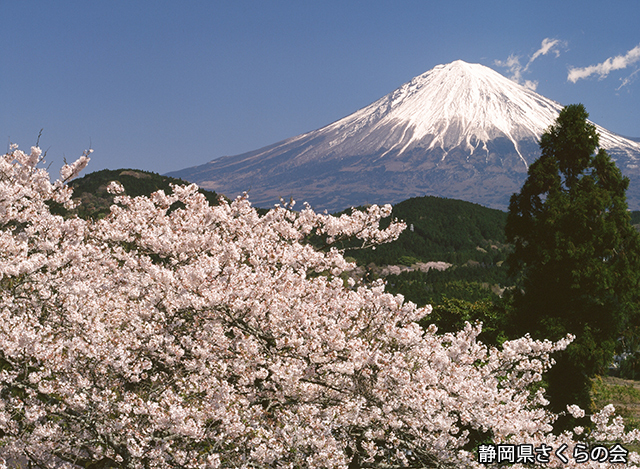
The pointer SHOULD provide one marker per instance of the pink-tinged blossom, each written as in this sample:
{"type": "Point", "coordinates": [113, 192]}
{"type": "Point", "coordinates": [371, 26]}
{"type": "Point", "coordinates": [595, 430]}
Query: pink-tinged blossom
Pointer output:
{"type": "Point", "coordinates": [70, 171]}
{"type": "Point", "coordinates": [206, 337]}
{"type": "Point", "coordinates": [115, 187]}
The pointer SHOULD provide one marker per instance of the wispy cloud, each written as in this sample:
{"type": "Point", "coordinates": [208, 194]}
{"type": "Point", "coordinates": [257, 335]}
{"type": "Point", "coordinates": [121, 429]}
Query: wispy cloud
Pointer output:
{"type": "Point", "coordinates": [629, 79]}
{"type": "Point", "coordinates": [517, 69]}
{"type": "Point", "coordinates": [603, 69]}
{"type": "Point", "coordinates": [548, 45]}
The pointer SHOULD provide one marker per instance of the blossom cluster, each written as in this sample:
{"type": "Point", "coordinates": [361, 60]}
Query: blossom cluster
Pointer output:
{"type": "Point", "coordinates": [173, 333]}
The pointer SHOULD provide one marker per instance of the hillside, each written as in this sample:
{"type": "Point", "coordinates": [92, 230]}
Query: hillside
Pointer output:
{"type": "Point", "coordinates": [440, 229]}
{"type": "Point", "coordinates": [91, 189]}
{"type": "Point", "coordinates": [451, 248]}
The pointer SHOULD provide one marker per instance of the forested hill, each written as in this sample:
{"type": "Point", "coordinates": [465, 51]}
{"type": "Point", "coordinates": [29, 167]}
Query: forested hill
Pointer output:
{"type": "Point", "coordinates": [91, 189]}
{"type": "Point", "coordinates": [450, 230]}
{"type": "Point", "coordinates": [441, 229]}
{"type": "Point", "coordinates": [438, 229]}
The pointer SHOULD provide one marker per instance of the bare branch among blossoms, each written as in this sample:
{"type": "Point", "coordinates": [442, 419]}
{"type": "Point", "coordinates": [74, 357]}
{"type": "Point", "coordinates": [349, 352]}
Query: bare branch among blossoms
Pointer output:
{"type": "Point", "coordinates": [69, 172]}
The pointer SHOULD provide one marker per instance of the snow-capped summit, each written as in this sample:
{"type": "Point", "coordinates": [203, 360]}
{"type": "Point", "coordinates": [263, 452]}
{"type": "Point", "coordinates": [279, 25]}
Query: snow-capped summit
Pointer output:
{"type": "Point", "coordinates": [453, 105]}
{"type": "Point", "coordinates": [459, 130]}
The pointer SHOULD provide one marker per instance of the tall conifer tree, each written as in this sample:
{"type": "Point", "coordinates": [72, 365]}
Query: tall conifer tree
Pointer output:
{"type": "Point", "coordinates": [576, 252]}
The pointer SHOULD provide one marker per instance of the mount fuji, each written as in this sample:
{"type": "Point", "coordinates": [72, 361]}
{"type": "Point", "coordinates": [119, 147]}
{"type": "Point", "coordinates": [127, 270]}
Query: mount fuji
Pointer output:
{"type": "Point", "coordinates": [459, 131]}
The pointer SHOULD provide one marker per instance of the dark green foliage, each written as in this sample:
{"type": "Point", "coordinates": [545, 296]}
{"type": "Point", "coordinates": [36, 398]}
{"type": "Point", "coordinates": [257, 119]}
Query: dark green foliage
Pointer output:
{"type": "Point", "coordinates": [576, 252]}
{"type": "Point", "coordinates": [628, 350]}
{"type": "Point", "coordinates": [91, 189]}
{"type": "Point", "coordinates": [635, 219]}
{"type": "Point", "coordinates": [467, 235]}
{"type": "Point", "coordinates": [451, 314]}
{"type": "Point", "coordinates": [443, 230]}
{"type": "Point", "coordinates": [466, 282]}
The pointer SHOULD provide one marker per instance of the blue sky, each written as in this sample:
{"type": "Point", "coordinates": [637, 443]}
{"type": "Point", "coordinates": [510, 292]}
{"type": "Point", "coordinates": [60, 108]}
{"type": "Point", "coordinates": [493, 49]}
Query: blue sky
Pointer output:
{"type": "Point", "coordinates": [163, 85]}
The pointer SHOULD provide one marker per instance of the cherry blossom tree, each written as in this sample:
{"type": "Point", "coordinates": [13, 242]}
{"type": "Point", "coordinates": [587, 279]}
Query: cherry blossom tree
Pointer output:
{"type": "Point", "coordinates": [176, 334]}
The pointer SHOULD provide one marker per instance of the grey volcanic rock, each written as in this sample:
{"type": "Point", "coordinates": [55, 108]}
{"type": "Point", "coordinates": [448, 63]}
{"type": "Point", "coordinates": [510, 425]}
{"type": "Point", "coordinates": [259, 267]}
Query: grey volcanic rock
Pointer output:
{"type": "Point", "coordinates": [459, 131]}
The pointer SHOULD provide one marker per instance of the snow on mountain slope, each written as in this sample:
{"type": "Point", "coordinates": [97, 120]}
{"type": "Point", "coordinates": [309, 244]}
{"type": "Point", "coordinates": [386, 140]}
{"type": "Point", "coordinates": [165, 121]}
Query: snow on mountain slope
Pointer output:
{"type": "Point", "coordinates": [459, 130]}
{"type": "Point", "coordinates": [456, 104]}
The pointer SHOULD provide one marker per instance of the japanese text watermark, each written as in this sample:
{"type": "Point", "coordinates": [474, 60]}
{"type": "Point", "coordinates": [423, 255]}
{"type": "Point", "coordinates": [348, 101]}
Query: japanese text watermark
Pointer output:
{"type": "Point", "coordinates": [543, 454]}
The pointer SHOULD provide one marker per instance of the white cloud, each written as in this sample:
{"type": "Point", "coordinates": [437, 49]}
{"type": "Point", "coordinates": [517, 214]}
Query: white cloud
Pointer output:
{"type": "Point", "coordinates": [603, 69]}
{"type": "Point", "coordinates": [548, 45]}
{"type": "Point", "coordinates": [516, 69]}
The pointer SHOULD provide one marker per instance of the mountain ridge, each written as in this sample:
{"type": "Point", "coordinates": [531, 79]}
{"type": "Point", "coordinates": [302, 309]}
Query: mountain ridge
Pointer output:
{"type": "Point", "coordinates": [458, 131]}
